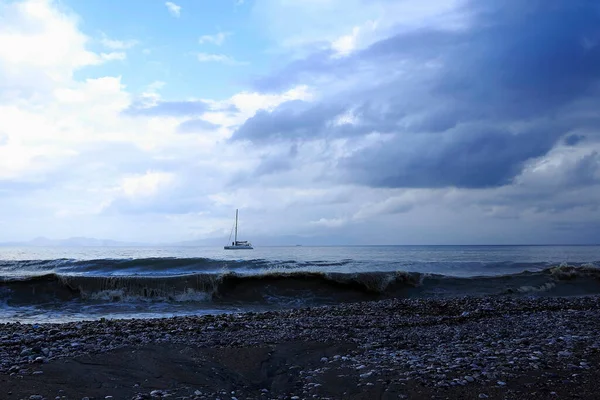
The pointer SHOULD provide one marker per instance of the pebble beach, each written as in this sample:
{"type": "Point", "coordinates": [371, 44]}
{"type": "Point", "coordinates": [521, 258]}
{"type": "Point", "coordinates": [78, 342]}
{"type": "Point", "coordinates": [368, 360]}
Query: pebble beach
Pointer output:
{"type": "Point", "coordinates": [470, 347]}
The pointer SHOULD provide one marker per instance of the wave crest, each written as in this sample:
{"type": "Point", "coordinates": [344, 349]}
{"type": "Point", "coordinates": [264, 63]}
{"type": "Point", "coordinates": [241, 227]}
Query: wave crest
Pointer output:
{"type": "Point", "coordinates": [273, 286]}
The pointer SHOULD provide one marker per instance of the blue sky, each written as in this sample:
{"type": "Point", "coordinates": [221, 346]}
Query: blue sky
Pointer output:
{"type": "Point", "coordinates": [165, 46]}
{"type": "Point", "coordinates": [323, 121]}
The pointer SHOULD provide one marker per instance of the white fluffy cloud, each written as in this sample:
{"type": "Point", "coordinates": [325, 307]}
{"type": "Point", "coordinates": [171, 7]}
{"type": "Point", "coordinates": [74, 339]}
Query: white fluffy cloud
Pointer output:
{"type": "Point", "coordinates": [219, 58]}
{"type": "Point", "coordinates": [146, 185]}
{"type": "Point", "coordinates": [173, 8]}
{"type": "Point", "coordinates": [41, 57]}
{"type": "Point", "coordinates": [217, 39]}
{"type": "Point", "coordinates": [67, 143]}
{"type": "Point", "coordinates": [115, 44]}
{"type": "Point", "coordinates": [357, 23]}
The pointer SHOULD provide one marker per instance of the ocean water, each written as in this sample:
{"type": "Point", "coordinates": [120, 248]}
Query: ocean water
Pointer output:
{"type": "Point", "coordinates": [65, 284]}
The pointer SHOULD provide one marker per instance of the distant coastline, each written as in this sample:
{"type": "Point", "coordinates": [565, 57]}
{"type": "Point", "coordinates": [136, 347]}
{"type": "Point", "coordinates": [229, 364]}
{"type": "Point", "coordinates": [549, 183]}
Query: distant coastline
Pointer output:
{"type": "Point", "coordinates": [80, 241]}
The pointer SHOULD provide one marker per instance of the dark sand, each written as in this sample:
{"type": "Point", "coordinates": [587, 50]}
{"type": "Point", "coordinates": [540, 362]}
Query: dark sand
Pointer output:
{"type": "Point", "coordinates": [509, 349]}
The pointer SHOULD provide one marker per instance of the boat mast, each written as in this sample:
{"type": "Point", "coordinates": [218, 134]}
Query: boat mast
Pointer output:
{"type": "Point", "coordinates": [236, 220]}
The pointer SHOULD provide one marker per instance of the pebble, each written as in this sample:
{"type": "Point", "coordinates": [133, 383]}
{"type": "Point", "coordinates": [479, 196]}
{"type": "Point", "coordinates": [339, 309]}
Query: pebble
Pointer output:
{"type": "Point", "coordinates": [498, 338]}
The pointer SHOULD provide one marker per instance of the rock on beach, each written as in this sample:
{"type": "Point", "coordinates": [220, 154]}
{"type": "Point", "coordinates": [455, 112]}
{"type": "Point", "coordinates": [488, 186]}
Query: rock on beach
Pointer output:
{"type": "Point", "coordinates": [501, 347]}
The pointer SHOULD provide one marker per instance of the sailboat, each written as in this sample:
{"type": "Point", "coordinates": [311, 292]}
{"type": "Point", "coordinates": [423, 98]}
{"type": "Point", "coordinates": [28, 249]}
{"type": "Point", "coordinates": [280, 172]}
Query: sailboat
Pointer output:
{"type": "Point", "coordinates": [238, 244]}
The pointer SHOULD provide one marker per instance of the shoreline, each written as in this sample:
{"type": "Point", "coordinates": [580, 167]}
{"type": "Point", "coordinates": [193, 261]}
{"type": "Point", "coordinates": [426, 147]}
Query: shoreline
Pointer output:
{"type": "Point", "coordinates": [59, 297]}
{"type": "Point", "coordinates": [468, 347]}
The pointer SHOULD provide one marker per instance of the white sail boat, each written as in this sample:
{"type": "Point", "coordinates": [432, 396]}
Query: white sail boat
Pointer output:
{"type": "Point", "coordinates": [238, 244]}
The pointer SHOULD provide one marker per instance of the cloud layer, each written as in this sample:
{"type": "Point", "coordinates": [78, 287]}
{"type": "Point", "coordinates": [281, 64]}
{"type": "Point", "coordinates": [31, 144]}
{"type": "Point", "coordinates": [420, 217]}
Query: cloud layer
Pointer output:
{"type": "Point", "coordinates": [396, 122]}
{"type": "Point", "coordinates": [463, 108]}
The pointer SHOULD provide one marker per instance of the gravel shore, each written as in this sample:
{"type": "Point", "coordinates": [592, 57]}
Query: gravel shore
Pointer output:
{"type": "Point", "coordinates": [501, 347]}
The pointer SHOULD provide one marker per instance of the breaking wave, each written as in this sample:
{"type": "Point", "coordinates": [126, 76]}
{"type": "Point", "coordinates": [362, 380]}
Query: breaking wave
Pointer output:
{"type": "Point", "coordinates": [154, 266]}
{"type": "Point", "coordinates": [277, 286]}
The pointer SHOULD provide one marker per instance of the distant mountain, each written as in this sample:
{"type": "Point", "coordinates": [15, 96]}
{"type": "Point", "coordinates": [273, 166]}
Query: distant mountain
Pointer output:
{"type": "Point", "coordinates": [72, 242]}
{"type": "Point", "coordinates": [283, 240]}
{"type": "Point", "coordinates": [259, 241]}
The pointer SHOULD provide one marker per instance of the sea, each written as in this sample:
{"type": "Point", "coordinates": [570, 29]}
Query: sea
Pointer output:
{"type": "Point", "coordinates": [47, 285]}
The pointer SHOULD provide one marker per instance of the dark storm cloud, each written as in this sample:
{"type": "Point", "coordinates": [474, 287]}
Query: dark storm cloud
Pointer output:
{"type": "Point", "coordinates": [319, 62]}
{"type": "Point", "coordinates": [325, 64]}
{"type": "Point", "coordinates": [470, 157]}
{"type": "Point", "coordinates": [586, 171]}
{"type": "Point", "coordinates": [273, 165]}
{"type": "Point", "coordinates": [525, 58]}
{"type": "Point", "coordinates": [276, 163]}
{"type": "Point", "coordinates": [167, 109]}
{"type": "Point", "coordinates": [569, 183]}
{"type": "Point", "coordinates": [472, 107]}
{"type": "Point", "coordinates": [292, 120]}
{"type": "Point", "coordinates": [268, 165]}
{"type": "Point", "coordinates": [573, 139]}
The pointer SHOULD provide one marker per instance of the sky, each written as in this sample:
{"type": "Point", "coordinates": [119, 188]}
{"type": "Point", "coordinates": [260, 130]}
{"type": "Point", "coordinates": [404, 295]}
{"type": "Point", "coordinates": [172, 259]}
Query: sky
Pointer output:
{"type": "Point", "coordinates": [323, 121]}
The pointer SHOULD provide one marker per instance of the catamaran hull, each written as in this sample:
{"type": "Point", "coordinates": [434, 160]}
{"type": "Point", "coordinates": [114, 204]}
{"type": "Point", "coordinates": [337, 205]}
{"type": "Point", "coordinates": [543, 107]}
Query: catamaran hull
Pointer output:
{"type": "Point", "coordinates": [238, 244]}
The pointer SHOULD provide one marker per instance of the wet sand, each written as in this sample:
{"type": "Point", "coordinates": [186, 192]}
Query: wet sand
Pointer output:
{"type": "Point", "coordinates": [497, 348]}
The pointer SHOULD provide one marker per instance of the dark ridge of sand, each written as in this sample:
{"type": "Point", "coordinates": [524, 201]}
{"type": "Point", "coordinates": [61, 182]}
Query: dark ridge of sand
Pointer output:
{"type": "Point", "coordinates": [468, 348]}
{"type": "Point", "coordinates": [180, 371]}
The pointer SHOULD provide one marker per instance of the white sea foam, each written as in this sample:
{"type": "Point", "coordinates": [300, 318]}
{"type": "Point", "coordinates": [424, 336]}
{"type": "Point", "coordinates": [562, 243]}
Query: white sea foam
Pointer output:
{"type": "Point", "coordinates": [536, 289]}
{"type": "Point", "coordinates": [188, 295]}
